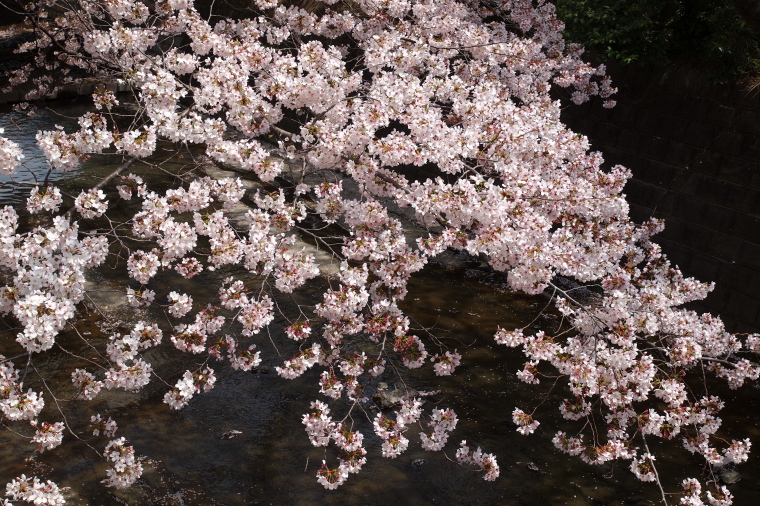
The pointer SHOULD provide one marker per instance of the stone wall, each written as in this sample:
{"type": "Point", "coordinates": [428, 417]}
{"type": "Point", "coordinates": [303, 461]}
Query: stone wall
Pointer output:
{"type": "Point", "coordinates": [694, 150]}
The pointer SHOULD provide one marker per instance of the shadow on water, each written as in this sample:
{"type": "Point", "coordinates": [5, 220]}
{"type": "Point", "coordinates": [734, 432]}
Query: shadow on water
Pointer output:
{"type": "Point", "coordinates": [271, 461]}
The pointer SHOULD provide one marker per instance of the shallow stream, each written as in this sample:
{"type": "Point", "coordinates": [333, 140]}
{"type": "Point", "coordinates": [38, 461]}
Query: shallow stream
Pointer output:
{"type": "Point", "coordinates": [272, 462]}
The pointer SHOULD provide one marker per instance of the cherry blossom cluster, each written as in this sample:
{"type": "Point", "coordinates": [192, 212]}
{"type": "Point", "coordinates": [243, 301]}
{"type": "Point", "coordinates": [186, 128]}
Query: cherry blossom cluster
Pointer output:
{"type": "Point", "coordinates": [693, 490]}
{"type": "Point", "coordinates": [125, 467]}
{"type": "Point", "coordinates": [319, 424]}
{"type": "Point", "coordinates": [525, 422]}
{"type": "Point", "coordinates": [331, 478]}
{"type": "Point", "coordinates": [10, 155]}
{"type": "Point", "coordinates": [130, 183]}
{"type": "Point", "coordinates": [322, 429]}
{"type": "Point", "coordinates": [63, 151]}
{"type": "Point", "coordinates": [299, 364]}
{"type": "Point", "coordinates": [442, 421]}
{"type": "Point", "coordinates": [341, 116]}
{"type": "Point", "coordinates": [181, 304]}
{"type": "Point", "coordinates": [242, 359]}
{"type": "Point", "coordinates": [130, 375]}
{"type": "Point", "coordinates": [47, 435]}
{"type": "Point", "coordinates": [392, 434]}
{"type": "Point", "coordinates": [140, 298]}
{"type": "Point", "coordinates": [15, 404]}
{"type": "Point", "coordinates": [33, 491]}
{"type": "Point", "coordinates": [48, 265]}
{"type": "Point", "coordinates": [91, 204]}
{"type": "Point", "coordinates": [484, 461]}
{"type": "Point", "coordinates": [351, 458]}
{"type": "Point", "coordinates": [99, 426]}
{"type": "Point", "coordinates": [48, 199]}
{"type": "Point", "coordinates": [446, 363]}
{"type": "Point", "coordinates": [642, 467]}
{"type": "Point", "coordinates": [87, 386]}
{"type": "Point", "coordinates": [189, 385]}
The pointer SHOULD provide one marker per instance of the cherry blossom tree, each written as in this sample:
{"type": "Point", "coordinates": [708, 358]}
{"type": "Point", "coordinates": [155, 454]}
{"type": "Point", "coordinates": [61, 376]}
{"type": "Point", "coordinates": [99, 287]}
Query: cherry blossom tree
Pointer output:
{"type": "Point", "coordinates": [342, 112]}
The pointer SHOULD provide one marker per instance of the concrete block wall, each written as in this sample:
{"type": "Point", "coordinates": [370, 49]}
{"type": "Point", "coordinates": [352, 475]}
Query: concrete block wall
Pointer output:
{"type": "Point", "coordinates": [694, 151]}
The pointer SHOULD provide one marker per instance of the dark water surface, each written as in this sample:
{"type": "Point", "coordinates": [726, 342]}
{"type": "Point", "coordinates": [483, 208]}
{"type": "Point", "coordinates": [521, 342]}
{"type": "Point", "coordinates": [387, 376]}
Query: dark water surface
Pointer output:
{"type": "Point", "coordinates": [272, 462]}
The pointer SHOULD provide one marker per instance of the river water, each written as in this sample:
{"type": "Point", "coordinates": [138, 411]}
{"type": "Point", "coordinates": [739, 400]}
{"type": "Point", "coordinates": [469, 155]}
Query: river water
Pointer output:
{"type": "Point", "coordinates": [271, 461]}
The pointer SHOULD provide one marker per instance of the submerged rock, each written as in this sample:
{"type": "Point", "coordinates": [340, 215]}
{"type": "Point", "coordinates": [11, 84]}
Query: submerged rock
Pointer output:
{"type": "Point", "coordinates": [386, 399]}
{"type": "Point", "coordinates": [730, 477]}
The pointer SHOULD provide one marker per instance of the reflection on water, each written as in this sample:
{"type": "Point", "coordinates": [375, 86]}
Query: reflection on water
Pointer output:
{"type": "Point", "coordinates": [272, 462]}
{"type": "Point", "coordinates": [22, 130]}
